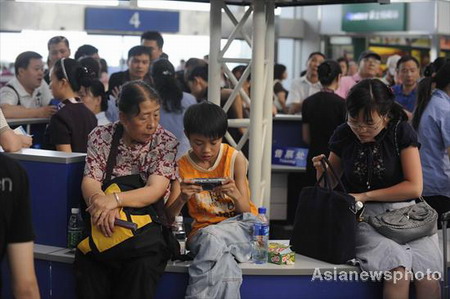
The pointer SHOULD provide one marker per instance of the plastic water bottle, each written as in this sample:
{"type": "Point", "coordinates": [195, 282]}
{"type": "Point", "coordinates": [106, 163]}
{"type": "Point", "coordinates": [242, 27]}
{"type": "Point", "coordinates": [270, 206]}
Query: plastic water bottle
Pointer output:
{"type": "Point", "coordinates": [75, 229]}
{"type": "Point", "coordinates": [261, 237]}
{"type": "Point", "coordinates": [180, 233]}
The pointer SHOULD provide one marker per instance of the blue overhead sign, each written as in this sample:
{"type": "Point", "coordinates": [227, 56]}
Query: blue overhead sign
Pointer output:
{"type": "Point", "coordinates": [113, 20]}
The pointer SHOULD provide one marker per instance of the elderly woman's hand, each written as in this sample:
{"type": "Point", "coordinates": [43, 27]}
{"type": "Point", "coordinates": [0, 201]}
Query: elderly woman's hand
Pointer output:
{"type": "Point", "coordinates": [107, 225]}
{"type": "Point", "coordinates": [99, 208]}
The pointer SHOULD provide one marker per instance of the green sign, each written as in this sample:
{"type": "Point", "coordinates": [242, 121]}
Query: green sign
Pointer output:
{"type": "Point", "coordinates": [374, 17]}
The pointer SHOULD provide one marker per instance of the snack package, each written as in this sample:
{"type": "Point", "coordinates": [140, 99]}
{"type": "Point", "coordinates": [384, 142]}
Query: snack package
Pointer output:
{"type": "Point", "coordinates": [281, 254]}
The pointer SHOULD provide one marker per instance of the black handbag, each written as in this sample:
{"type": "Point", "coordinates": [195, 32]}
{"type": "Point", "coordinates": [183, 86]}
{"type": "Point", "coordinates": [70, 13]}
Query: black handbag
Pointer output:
{"type": "Point", "coordinates": [325, 221]}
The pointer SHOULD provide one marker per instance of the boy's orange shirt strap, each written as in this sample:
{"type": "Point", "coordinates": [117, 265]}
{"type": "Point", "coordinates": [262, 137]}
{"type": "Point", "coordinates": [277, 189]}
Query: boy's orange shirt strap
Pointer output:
{"type": "Point", "coordinates": [207, 207]}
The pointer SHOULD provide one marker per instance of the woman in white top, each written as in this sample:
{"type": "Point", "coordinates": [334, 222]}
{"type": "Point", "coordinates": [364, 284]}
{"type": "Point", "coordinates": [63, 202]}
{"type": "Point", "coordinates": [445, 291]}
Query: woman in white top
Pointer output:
{"type": "Point", "coordinates": [95, 98]}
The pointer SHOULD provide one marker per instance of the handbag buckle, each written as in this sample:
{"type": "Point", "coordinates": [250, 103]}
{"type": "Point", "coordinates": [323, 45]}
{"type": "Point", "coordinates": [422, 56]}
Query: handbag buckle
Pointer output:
{"type": "Point", "coordinates": [355, 208]}
{"type": "Point", "coordinates": [358, 210]}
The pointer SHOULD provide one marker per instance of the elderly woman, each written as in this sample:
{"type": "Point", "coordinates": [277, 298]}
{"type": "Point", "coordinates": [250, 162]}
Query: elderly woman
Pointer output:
{"type": "Point", "coordinates": [140, 147]}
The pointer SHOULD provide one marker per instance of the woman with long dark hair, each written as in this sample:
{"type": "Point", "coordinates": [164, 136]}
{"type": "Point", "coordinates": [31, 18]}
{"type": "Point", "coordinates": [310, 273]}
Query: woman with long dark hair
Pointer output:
{"type": "Point", "coordinates": [432, 123]}
{"type": "Point", "coordinates": [376, 154]}
{"type": "Point", "coordinates": [173, 101]}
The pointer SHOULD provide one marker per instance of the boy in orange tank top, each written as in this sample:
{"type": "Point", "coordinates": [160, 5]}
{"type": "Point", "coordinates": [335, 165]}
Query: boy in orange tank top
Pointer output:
{"type": "Point", "coordinates": [223, 217]}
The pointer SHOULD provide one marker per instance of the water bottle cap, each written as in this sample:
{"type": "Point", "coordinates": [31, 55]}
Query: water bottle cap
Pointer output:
{"type": "Point", "coordinates": [75, 210]}
{"type": "Point", "coordinates": [179, 219]}
{"type": "Point", "coordinates": [262, 210]}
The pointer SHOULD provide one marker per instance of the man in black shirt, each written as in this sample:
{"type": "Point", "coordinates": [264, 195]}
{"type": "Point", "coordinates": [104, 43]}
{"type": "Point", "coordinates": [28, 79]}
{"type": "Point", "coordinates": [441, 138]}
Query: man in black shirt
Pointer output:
{"type": "Point", "coordinates": [16, 232]}
{"type": "Point", "coordinates": [138, 66]}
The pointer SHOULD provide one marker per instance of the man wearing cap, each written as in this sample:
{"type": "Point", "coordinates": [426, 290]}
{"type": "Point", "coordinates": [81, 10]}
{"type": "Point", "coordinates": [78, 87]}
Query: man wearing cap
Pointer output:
{"type": "Point", "coordinates": [305, 86]}
{"type": "Point", "coordinates": [369, 64]}
{"type": "Point", "coordinates": [408, 70]}
{"type": "Point", "coordinates": [390, 79]}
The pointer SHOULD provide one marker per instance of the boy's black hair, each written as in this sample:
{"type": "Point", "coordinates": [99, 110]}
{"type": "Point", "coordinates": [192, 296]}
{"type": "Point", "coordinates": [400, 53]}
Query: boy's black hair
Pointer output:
{"type": "Point", "coordinates": [206, 119]}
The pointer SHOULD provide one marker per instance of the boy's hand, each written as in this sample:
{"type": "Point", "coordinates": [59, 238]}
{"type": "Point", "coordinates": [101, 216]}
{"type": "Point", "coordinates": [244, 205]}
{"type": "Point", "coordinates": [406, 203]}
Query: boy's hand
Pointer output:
{"type": "Point", "coordinates": [229, 188]}
{"type": "Point", "coordinates": [188, 189]}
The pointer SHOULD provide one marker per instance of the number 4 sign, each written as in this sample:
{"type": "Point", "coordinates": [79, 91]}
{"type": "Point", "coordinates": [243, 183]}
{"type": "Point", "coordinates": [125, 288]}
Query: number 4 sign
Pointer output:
{"type": "Point", "coordinates": [119, 21]}
{"type": "Point", "coordinates": [134, 20]}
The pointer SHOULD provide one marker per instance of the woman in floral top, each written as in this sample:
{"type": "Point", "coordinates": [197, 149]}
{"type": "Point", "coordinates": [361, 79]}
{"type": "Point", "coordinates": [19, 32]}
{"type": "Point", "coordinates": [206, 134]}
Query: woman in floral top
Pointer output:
{"type": "Point", "coordinates": [147, 149]}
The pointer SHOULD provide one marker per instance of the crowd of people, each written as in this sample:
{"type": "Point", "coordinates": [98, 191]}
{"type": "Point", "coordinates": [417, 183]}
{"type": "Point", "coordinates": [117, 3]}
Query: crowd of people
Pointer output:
{"type": "Point", "coordinates": [388, 137]}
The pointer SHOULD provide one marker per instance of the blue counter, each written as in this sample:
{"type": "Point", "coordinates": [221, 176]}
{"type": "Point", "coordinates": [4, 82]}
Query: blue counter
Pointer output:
{"type": "Point", "coordinates": [55, 188]}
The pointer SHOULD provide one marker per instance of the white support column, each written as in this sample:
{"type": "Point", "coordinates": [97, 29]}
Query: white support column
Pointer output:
{"type": "Point", "coordinates": [257, 96]}
{"type": "Point", "coordinates": [215, 25]}
{"type": "Point", "coordinates": [261, 98]}
{"type": "Point", "coordinates": [268, 102]}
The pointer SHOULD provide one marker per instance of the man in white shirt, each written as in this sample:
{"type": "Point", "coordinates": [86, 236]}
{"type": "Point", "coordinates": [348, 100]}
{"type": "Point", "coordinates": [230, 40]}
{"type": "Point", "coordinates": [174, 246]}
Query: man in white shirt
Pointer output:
{"type": "Point", "coordinates": [305, 86]}
{"type": "Point", "coordinates": [27, 95]}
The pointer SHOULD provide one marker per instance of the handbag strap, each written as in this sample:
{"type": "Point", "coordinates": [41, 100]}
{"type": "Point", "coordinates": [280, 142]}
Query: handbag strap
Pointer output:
{"type": "Point", "coordinates": [112, 157]}
{"type": "Point", "coordinates": [325, 162]}
{"type": "Point", "coordinates": [111, 162]}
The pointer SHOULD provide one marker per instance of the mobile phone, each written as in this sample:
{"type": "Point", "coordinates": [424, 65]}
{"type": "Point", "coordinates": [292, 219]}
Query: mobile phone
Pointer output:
{"type": "Point", "coordinates": [208, 184]}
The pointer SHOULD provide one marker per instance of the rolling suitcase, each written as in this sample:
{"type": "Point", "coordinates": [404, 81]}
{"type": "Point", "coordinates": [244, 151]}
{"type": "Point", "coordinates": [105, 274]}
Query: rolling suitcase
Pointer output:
{"type": "Point", "coordinates": [445, 219]}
